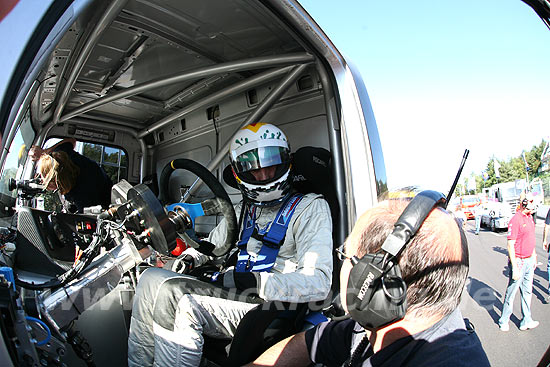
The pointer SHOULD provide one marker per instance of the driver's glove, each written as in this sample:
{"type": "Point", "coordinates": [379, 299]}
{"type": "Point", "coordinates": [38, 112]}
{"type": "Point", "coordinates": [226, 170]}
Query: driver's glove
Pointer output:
{"type": "Point", "coordinates": [246, 282]}
{"type": "Point", "coordinates": [183, 264]}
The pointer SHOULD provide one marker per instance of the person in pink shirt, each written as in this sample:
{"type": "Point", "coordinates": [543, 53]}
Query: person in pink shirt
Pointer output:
{"type": "Point", "coordinates": [522, 263]}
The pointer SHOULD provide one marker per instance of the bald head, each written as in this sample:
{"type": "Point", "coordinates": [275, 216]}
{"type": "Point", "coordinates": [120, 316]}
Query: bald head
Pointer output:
{"type": "Point", "coordinates": [434, 264]}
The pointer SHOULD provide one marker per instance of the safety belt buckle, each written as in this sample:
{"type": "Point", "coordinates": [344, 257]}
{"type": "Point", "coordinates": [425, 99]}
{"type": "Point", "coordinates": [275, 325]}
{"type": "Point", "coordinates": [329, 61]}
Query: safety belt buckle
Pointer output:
{"type": "Point", "coordinates": [272, 244]}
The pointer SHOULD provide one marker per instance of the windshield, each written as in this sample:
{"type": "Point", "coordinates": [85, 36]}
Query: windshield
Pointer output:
{"type": "Point", "coordinates": [510, 192]}
{"type": "Point", "coordinates": [536, 188]}
{"type": "Point", "coordinates": [17, 155]}
{"type": "Point", "coordinates": [469, 201]}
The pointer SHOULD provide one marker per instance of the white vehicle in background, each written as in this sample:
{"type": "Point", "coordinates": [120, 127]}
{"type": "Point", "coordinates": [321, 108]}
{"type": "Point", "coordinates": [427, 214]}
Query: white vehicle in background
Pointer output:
{"type": "Point", "coordinates": [495, 215]}
{"type": "Point", "coordinates": [537, 190]}
{"type": "Point", "coordinates": [509, 195]}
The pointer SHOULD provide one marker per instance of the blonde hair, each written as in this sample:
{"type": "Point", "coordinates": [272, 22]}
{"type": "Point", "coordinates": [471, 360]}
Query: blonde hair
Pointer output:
{"type": "Point", "coordinates": [58, 167]}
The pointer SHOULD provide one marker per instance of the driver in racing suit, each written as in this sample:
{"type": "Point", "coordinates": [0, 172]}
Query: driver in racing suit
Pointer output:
{"type": "Point", "coordinates": [172, 312]}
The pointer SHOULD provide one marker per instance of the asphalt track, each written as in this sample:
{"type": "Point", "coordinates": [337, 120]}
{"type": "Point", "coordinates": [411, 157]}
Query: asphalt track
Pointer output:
{"type": "Point", "coordinates": [484, 294]}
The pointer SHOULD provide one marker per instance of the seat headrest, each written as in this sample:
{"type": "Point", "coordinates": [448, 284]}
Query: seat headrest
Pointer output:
{"type": "Point", "coordinates": [311, 173]}
{"type": "Point", "coordinates": [310, 170]}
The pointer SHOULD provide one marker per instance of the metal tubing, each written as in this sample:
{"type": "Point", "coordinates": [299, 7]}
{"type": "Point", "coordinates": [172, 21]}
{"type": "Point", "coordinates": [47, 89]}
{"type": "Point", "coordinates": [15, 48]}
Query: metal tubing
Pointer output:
{"type": "Point", "coordinates": [260, 111]}
{"type": "Point", "coordinates": [194, 88]}
{"type": "Point", "coordinates": [338, 167]}
{"type": "Point", "coordinates": [106, 19]}
{"type": "Point", "coordinates": [233, 66]}
{"type": "Point", "coordinates": [101, 277]}
{"type": "Point", "coordinates": [143, 165]}
{"type": "Point", "coordinates": [257, 114]}
{"type": "Point", "coordinates": [224, 93]}
{"type": "Point", "coordinates": [43, 133]}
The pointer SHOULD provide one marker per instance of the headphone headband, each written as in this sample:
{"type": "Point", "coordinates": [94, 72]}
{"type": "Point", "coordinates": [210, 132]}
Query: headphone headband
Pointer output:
{"type": "Point", "coordinates": [411, 219]}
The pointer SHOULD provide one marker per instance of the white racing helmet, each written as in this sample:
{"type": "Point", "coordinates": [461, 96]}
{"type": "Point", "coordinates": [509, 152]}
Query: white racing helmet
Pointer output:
{"type": "Point", "coordinates": [256, 146]}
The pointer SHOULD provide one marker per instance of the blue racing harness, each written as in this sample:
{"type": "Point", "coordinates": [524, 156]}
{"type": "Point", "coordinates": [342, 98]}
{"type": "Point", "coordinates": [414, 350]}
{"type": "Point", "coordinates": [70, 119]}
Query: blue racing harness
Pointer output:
{"type": "Point", "coordinates": [271, 241]}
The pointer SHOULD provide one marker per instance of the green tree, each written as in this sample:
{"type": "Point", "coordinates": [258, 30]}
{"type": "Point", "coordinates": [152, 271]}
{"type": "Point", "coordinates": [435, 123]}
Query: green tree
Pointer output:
{"type": "Point", "coordinates": [459, 190]}
{"type": "Point", "coordinates": [533, 157]}
{"type": "Point", "coordinates": [92, 151]}
{"type": "Point", "coordinates": [512, 170]}
{"type": "Point", "coordinates": [480, 183]}
{"type": "Point", "coordinates": [491, 172]}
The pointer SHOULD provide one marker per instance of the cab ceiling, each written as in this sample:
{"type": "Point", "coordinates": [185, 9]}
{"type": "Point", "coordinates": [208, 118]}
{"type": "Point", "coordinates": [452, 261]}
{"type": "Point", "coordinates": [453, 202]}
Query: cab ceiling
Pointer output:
{"type": "Point", "coordinates": [154, 39]}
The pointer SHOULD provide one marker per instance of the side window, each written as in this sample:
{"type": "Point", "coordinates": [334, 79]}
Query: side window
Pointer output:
{"type": "Point", "coordinates": [114, 161]}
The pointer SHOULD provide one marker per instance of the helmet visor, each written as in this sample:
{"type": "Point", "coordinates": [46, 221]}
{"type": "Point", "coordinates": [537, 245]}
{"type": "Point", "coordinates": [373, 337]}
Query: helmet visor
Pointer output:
{"type": "Point", "coordinates": [261, 157]}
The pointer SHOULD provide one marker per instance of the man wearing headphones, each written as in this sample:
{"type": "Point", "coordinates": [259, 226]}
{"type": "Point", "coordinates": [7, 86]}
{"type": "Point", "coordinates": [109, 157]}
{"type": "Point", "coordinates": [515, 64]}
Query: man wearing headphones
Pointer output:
{"type": "Point", "coordinates": [429, 329]}
{"type": "Point", "coordinates": [284, 254]}
{"type": "Point", "coordinates": [522, 263]}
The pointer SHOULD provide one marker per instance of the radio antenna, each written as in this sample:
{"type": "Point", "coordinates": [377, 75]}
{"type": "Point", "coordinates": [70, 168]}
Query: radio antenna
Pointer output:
{"type": "Point", "coordinates": [464, 157]}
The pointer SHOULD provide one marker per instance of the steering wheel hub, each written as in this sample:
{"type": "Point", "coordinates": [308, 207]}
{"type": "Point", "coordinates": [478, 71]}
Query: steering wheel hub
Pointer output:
{"type": "Point", "coordinates": [153, 218]}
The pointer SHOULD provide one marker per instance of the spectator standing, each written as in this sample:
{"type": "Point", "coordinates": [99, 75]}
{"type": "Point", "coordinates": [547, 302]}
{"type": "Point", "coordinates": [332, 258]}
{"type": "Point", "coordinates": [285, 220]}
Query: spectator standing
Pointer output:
{"type": "Point", "coordinates": [546, 247]}
{"type": "Point", "coordinates": [476, 211]}
{"type": "Point", "coordinates": [522, 263]}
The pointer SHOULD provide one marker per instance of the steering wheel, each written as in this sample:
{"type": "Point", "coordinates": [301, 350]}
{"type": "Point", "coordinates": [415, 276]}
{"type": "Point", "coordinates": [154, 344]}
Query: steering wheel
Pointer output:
{"type": "Point", "coordinates": [221, 204]}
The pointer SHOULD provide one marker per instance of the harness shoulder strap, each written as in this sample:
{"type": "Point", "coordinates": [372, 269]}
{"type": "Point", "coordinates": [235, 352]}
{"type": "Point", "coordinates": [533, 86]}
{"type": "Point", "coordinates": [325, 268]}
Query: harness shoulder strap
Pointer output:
{"type": "Point", "coordinates": [272, 240]}
{"type": "Point", "coordinates": [277, 233]}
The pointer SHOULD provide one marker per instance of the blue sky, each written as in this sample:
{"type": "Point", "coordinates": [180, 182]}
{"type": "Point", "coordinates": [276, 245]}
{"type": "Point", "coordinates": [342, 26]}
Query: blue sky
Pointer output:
{"type": "Point", "coordinates": [444, 76]}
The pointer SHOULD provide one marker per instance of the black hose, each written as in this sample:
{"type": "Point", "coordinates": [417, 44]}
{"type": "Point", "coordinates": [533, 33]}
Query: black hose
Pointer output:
{"type": "Point", "coordinates": [70, 274]}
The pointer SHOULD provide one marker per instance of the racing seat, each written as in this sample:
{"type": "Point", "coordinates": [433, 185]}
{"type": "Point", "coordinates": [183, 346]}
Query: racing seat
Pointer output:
{"type": "Point", "coordinates": [270, 322]}
{"type": "Point", "coordinates": [260, 328]}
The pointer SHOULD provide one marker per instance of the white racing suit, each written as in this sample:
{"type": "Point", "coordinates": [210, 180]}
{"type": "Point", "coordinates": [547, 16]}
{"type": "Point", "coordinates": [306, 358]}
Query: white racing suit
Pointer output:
{"type": "Point", "coordinates": [172, 312]}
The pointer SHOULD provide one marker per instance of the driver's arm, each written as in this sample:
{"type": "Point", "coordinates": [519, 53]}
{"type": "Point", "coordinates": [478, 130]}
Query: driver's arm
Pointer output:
{"type": "Point", "coordinates": [216, 237]}
{"type": "Point", "coordinates": [291, 351]}
{"type": "Point", "coordinates": [312, 237]}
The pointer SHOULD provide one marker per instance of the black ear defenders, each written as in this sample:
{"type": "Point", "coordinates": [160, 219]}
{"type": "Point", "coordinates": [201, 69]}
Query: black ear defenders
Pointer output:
{"type": "Point", "coordinates": [376, 293]}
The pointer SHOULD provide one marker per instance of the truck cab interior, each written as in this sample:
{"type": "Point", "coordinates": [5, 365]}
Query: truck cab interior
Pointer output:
{"type": "Point", "coordinates": [139, 84]}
